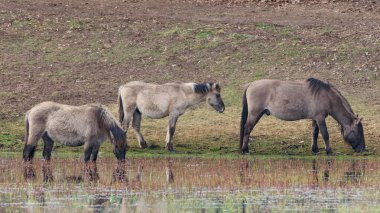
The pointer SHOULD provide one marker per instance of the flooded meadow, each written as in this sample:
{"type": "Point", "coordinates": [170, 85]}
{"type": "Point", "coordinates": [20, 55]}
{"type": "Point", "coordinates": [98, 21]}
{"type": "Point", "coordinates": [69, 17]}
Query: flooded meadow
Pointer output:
{"type": "Point", "coordinates": [190, 185]}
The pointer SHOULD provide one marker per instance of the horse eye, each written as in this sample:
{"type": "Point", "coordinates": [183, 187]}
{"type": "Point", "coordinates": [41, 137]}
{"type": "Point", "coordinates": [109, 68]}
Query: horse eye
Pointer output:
{"type": "Point", "coordinates": [218, 95]}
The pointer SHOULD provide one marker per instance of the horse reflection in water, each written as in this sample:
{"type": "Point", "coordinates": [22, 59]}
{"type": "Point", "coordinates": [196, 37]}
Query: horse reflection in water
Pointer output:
{"type": "Point", "coordinates": [119, 175]}
{"type": "Point", "coordinates": [326, 172]}
{"type": "Point", "coordinates": [352, 175]}
{"type": "Point", "coordinates": [244, 167]}
{"type": "Point", "coordinates": [91, 172]}
{"type": "Point", "coordinates": [355, 173]}
{"type": "Point", "coordinates": [169, 172]}
{"type": "Point", "coordinates": [47, 172]}
{"type": "Point", "coordinates": [30, 172]}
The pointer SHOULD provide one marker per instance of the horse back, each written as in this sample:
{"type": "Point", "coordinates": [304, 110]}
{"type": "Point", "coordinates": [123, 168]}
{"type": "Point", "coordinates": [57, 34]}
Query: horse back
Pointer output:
{"type": "Point", "coordinates": [286, 100]}
{"type": "Point", "coordinates": [153, 100]}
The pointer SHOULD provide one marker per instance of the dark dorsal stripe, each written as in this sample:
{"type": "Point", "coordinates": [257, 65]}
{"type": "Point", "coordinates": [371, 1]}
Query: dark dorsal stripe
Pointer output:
{"type": "Point", "coordinates": [117, 132]}
{"type": "Point", "coordinates": [316, 85]}
{"type": "Point", "coordinates": [202, 88]}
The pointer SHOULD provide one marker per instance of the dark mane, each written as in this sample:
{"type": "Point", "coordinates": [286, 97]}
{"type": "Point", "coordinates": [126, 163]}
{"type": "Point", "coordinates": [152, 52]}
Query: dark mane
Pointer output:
{"type": "Point", "coordinates": [202, 88]}
{"type": "Point", "coordinates": [109, 123]}
{"type": "Point", "coordinates": [117, 132]}
{"type": "Point", "coordinates": [316, 85]}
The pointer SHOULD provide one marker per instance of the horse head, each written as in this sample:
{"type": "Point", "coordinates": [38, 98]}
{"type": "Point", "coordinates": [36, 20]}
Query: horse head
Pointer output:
{"type": "Point", "coordinates": [214, 99]}
{"type": "Point", "coordinates": [119, 142]}
{"type": "Point", "coordinates": [355, 135]}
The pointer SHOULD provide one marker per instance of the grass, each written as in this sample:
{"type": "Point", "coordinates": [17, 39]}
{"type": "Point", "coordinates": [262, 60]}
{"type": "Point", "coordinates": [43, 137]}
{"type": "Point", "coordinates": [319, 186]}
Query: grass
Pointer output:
{"type": "Point", "coordinates": [199, 51]}
{"type": "Point", "coordinates": [203, 132]}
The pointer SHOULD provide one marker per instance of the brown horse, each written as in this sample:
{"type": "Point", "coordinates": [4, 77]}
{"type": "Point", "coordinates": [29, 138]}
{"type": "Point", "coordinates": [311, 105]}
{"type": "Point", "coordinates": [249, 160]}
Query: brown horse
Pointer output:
{"type": "Point", "coordinates": [87, 125]}
{"type": "Point", "coordinates": [295, 100]}
{"type": "Point", "coordinates": [158, 101]}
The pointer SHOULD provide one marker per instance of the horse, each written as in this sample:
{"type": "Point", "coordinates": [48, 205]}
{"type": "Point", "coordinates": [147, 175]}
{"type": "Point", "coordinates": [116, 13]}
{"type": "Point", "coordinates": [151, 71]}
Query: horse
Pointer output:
{"type": "Point", "coordinates": [295, 100]}
{"type": "Point", "coordinates": [89, 125]}
{"type": "Point", "coordinates": [158, 101]}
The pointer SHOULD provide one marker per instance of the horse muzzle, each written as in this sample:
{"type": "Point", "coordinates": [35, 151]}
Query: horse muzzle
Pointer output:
{"type": "Point", "coordinates": [220, 108]}
{"type": "Point", "coordinates": [359, 149]}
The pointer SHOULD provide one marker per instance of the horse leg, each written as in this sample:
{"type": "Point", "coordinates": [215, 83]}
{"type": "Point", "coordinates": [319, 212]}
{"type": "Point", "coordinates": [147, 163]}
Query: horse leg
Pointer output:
{"type": "Point", "coordinates": [87, 151]}
{"type": "Point", "coordinates": [94, 153]}
{"type": "Point", "coordinates": [325, 134]}
{"type": "Point", "coordinates": [136, 124]}
{"type": "Point", "coordinates": [128, 112]}
{"type": "Point", "coordinates": [252, 120]}
{"type": "Point", "coordinates": [171, 129]}
{"type": "Point", "coordinates": [314, 146]}
{"type": "Point", "coordinates": [48, 146]}
{"type": "Point", "coordinates": [31, 143]}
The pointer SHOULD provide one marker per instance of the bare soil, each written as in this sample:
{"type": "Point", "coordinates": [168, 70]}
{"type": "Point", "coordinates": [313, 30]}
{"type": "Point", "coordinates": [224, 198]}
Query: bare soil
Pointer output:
{"type": "Point", "coordinates": [78, 52]}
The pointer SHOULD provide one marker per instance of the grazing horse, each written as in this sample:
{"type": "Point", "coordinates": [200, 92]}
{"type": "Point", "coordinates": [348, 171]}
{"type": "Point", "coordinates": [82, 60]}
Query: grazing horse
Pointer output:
{"type": "Point", "coordinates": [158, 101]}
{"type": "Point", "coordinates": [295, 100]}
{"type": "Point", "coordinates": [87, 125]}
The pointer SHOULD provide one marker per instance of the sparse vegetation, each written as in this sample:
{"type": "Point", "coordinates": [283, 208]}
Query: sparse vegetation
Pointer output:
{"type": "Point", "coordinates": [78, 57]}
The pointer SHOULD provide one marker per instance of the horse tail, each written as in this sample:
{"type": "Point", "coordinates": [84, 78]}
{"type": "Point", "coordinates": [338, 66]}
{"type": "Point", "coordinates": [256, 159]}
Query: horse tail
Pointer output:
{"type": "Point", "coordinates": [26, 128]}
{"type": "Point", "coordinates": [244, 115]}
{"type": "Point", "coordinates": [121, 110]}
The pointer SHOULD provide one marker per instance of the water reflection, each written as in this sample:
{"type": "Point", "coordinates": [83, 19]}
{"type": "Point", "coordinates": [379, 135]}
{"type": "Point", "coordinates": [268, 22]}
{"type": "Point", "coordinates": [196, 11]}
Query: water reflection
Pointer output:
{"type": "Point", "coordinates": [209, 185]}
{"type": "Point", "coordinates": [355, 173]}
{"type": "Point", "coordinates": [169, 171]}
{"type": "Point", "coordinates": [119, 174]}
{"type": "Point", "coordinates": [325, 165]}
{"type": "Point", "coordinates": [47, 172]}
{"type": "Point", "coordinates": [90, 172]}
{"type": "Point", "coordinates": [29, 171]}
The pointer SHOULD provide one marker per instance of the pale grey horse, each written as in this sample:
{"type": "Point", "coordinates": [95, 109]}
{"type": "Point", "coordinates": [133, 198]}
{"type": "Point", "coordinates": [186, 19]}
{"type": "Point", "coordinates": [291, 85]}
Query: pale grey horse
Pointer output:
{"type": "Point", "coordinates": [295, 100]}
{"type": "Point", "coordinates": [87, 125]}
{"type": "Point", "coordinates": [158, 101]}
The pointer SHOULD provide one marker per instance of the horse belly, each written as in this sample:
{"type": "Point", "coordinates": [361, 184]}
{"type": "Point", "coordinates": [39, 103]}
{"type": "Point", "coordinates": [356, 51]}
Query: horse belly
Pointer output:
{"type": "Point", "coordinates": [66, 138]}
{"type": "Point", "coordinates": [153, 113]}
{"type": "Point", "coordinates": [153, 107]}
{"type": "Point", "coordinates": [68, 131]}
{"type": "Point", "coordinates": [288, 112]}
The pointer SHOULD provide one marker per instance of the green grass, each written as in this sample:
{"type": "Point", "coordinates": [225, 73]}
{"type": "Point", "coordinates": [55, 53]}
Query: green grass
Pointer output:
{"type": "Point", "coordinates": [234, 56]}
{"type": "Point", "coordinates": [203, 132]}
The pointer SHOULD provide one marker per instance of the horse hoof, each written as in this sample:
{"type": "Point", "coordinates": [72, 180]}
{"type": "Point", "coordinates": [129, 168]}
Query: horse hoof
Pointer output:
{"type": "Point", "coordinates": [330, 152]}
{"type": "Point", "coordinates": [244, 152]}
{"type": "Point", "coordinates": [315, 150]}
{"type": "Point", "coordinates": [171, 150]}
{"type": "Point", "coordinates": [143, 145]}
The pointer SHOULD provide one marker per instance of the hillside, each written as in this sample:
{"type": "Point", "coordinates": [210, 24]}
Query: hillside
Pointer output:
{"type": "Point", "coordinates": [77, 52]}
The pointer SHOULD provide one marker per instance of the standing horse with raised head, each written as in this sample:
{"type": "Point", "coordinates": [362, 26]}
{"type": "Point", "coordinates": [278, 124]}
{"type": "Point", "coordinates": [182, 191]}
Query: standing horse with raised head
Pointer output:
{"type": "Point", "coordinates": [87, 125]}
{"type": "Point", "coordinates": [295, 100]}
{"type": "Point", "coordinates": [158, 101]}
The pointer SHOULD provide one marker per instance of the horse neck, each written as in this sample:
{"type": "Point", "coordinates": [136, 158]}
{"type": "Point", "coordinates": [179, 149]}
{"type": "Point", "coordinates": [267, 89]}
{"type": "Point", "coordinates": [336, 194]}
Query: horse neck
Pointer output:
{"type": "Point", "coordinates": [117, 132]}
{"type": "Point", "coordinates": [109, 123]}
{"type": "Point", "coordinates": [195, 98]}
{"type": "Point", "coordinates": [341, 111]}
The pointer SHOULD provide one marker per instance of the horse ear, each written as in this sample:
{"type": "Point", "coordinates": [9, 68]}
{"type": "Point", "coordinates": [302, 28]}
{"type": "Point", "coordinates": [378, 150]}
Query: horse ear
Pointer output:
{"type": "Point", "coordinates": [358, 121]}
{"type": "Point", "coordinates": [111, 136]}
{"type": "Point", "coordinates": [216, 87]}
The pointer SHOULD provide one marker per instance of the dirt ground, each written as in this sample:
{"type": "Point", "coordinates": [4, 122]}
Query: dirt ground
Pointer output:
{"type": "Point", "coordinates": [81, 51]}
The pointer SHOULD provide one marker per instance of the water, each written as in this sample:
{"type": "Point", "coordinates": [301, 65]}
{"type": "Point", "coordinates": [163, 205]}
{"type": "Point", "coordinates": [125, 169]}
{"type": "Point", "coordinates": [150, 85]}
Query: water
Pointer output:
{"type": "Point", "coordinates": [190, 185]}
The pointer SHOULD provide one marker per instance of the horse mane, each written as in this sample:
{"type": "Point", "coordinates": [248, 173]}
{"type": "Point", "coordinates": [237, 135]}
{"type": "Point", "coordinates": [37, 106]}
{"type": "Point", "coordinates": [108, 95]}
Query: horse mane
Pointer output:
{"type": "Point", "coordinates": [110, 123]}
{"type": "Point", "coordinates": [347, 106]}
{"type": "Point", "coordinates": [202, 88]}
{"type": "Point", "coordinates": [316, 85]}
